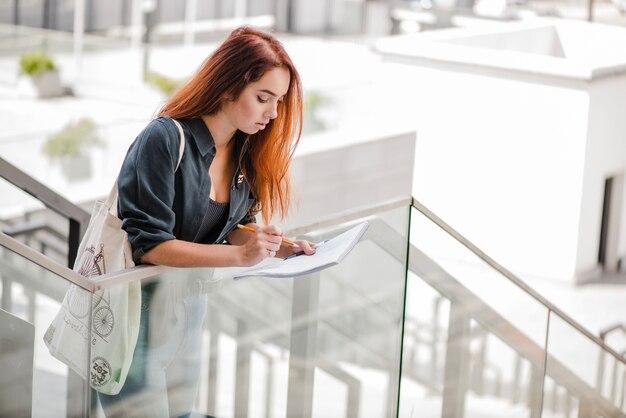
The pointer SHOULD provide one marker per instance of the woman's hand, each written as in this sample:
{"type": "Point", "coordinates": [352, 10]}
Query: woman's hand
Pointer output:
{"type": "Point", "coordinates": [303, 246]}
{"type": "Point", "coordinates": [265, 242]}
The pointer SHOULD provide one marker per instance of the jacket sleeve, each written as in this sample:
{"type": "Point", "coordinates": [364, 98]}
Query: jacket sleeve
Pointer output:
{"type": "Point", "coordinates": [146, 188]}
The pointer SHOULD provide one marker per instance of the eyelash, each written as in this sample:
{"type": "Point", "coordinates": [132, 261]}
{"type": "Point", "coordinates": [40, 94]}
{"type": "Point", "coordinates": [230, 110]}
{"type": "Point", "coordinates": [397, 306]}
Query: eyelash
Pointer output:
{"type": "Point", "coordinates": [280, 101]}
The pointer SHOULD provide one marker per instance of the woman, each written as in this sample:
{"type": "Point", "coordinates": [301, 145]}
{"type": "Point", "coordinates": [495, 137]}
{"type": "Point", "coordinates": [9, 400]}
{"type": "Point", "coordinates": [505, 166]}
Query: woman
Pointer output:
{"type": "Point", "coordinates": [241, 114]}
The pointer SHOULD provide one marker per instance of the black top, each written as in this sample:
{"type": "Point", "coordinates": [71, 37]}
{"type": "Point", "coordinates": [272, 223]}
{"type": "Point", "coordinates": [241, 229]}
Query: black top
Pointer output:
{"type": "Point", "coordinates": [213, 222]}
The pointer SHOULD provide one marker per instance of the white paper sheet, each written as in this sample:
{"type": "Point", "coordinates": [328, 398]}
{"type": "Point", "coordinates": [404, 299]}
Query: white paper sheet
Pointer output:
{"type": "Point", "coordinates": [327, 254]}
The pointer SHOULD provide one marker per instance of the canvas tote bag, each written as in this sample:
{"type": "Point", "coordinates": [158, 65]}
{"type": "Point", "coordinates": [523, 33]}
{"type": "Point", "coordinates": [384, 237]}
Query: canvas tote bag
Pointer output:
{"type": "Point", "coordinates": [113, 313]}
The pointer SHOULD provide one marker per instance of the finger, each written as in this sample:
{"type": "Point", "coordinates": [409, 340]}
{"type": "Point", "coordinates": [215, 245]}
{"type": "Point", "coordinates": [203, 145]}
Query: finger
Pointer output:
{"type": "Point", "coordinates": [272, 239]}
{"type": "Point", "coordinates": [306, 246]}
{"type": "Point", "coordinates": [272, 230]}
{"type": "Point", "coordinates": [270, 243]}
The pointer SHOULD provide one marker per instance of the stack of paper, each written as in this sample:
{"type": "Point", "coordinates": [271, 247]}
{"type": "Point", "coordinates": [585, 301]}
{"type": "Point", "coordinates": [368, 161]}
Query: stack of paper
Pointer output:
{"type": "Point", "coordinates": [330, 253]}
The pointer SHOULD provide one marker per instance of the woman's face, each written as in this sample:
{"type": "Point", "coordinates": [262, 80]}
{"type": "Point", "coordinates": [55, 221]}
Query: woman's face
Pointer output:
{"type": "Point", "coordinates": [257, 103]}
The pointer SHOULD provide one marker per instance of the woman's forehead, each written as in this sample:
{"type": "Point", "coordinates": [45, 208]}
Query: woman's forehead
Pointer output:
{"type": "Point", "coordinates": [274, 82]}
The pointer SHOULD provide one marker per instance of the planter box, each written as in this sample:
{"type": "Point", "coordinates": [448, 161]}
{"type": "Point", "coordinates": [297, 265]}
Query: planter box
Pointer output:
{"type": "Point", "coordinates": [47, 84]}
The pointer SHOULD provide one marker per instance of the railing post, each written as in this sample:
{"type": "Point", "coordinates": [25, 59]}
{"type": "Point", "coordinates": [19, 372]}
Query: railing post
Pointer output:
{"type": "Point", "coordinates": [567, 407]}
{"type": "Point", "coordinates": [478, 367]}
{"type": "Point", "coordinates": [621, 399]}
{"type": "Point", "coordinates": [269, 381]}
{"type": "Point", "coordinates": [535, 391]}
{"type": "Point", "coordinates": [242, 372]}
{"type": "Point", "coordinates": [303, 346]}
{"type": "Point", "coordinates": [73, 241]}
{"type": "Point", "coordinates": [515, 385]}
{"type": "Point", "coordinates": [600, 373]}
{"type": "Point", "coordinates": [456, 373]}
{"type": "Point", "coordinates": [77, 396]}
{"type": "Point", "coordinates": [434, 354]}
{"type": "Point", "coordinates": [214, 329]}
{"type": "Point", "coordinates": [614, 381]}
{"type": "Point", "coordinates": [585, 408]}
{"type": "Point", "coordinates": [6, 302]}
{"type": "Point", "coordinates": [554, 398]}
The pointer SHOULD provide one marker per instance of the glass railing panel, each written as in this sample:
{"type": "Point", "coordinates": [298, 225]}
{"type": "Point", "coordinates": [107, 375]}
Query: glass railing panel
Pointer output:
{"type": "Point", "coordinates": [591, 374]}
{"type": "Point", "coordinates": [360, 311]}
{"type": "Point", "coordinates": [33, 382]}
{"type": "Point", "coordinates": [487, 341]}
{"type": "Point", "coordinates": [324, 344]}
{"type": "Point", "coordinates": [424, 349]}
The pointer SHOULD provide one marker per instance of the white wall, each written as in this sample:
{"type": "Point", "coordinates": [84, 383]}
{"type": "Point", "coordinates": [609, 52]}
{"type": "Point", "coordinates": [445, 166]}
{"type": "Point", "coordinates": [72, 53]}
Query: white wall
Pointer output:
{"type": "Point", "coordinates": [501, 160]}
{"type": "Point", "coordinates": [605, 156]}
{"type": "Point", "coordinates": [514, 147]}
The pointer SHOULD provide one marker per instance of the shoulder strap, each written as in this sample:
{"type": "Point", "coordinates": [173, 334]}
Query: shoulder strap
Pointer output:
{"type": "Point", "coordinates": [181, 147]}
{"type": "Point", "coordinates": [111, 200]}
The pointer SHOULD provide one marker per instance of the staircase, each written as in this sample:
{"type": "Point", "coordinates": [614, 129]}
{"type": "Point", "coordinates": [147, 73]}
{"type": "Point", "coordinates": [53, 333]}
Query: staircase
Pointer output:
{"type": "Point", "coordinates": [415, 322]}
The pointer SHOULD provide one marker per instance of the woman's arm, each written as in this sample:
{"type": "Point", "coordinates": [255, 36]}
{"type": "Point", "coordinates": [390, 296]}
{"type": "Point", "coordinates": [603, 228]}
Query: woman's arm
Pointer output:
{"type": "Point", "coordinates": [179, 253]}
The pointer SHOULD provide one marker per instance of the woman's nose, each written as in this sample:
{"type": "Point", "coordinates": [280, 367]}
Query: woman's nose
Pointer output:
{"type": "Point", "coordinates": [273, 111]}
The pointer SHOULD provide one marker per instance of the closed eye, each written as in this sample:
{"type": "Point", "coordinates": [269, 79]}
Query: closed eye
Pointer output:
{"type": "Point", "coordinates": [262, 100]}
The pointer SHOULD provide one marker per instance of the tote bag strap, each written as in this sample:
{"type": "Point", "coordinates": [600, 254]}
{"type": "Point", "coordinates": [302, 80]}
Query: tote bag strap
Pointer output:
{"type": "Point", "coordinates": [111, 201]}
{"type": "Point", "coordinates": [181, 146]}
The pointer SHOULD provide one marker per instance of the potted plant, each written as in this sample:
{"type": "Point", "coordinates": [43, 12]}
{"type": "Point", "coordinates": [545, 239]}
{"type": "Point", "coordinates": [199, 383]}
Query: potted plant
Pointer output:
{"type": "Point", "coordinates": [69, 147]}
{"type": "Point", "coordinates": [164, 84]}
{"type": "Point", "coordinates": [43, 72]}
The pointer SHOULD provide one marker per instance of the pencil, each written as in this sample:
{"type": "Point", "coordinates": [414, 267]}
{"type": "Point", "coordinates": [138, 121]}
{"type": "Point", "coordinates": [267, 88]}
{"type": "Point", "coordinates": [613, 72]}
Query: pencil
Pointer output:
{"type": "Point", "coordinates": [247, 228]}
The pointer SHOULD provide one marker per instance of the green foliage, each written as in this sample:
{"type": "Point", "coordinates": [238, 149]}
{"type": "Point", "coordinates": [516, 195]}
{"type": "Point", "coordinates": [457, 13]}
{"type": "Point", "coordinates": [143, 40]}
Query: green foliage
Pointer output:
{"type": "Point", "coordinates": [72, 139]}
{"type": "Point", "coordinates": [165, 84]}
{"type": "Point", "coordinates": [313, 100]}
{"type": "Point", "coordinates": [36, 62]}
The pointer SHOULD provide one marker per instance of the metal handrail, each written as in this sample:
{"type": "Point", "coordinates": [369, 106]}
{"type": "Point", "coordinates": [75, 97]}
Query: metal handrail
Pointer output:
{"type": "Point", "coordinates": [41, 192]}
{"type": "Point", "coordinates": [78, 217]}
{"type": "Point", "coordinates": [45, 262]}
{"type": "Point", "coordinates": [513, 278]}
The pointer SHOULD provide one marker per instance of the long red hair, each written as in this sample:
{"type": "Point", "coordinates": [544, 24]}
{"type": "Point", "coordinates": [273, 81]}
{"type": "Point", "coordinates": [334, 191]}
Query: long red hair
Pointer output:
{"type": "Point", "coordinates": [244, 57]}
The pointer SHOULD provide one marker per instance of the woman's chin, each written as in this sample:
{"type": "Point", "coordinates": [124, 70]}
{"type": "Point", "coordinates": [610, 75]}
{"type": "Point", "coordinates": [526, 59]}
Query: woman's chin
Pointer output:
{"type": "Point", "coordinates": [250, 131]}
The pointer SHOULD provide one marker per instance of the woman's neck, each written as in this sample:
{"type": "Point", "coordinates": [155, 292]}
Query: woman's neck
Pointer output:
{"type": "Point", "coordinates": [221, 130]}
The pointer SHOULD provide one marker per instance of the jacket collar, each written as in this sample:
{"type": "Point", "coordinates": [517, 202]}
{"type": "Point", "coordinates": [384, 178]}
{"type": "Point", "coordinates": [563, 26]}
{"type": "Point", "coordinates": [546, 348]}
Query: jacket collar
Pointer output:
{"type": "Point", "coordinates": [204, 140]}
{"type": "Point", "coordinates": [201, 136]}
